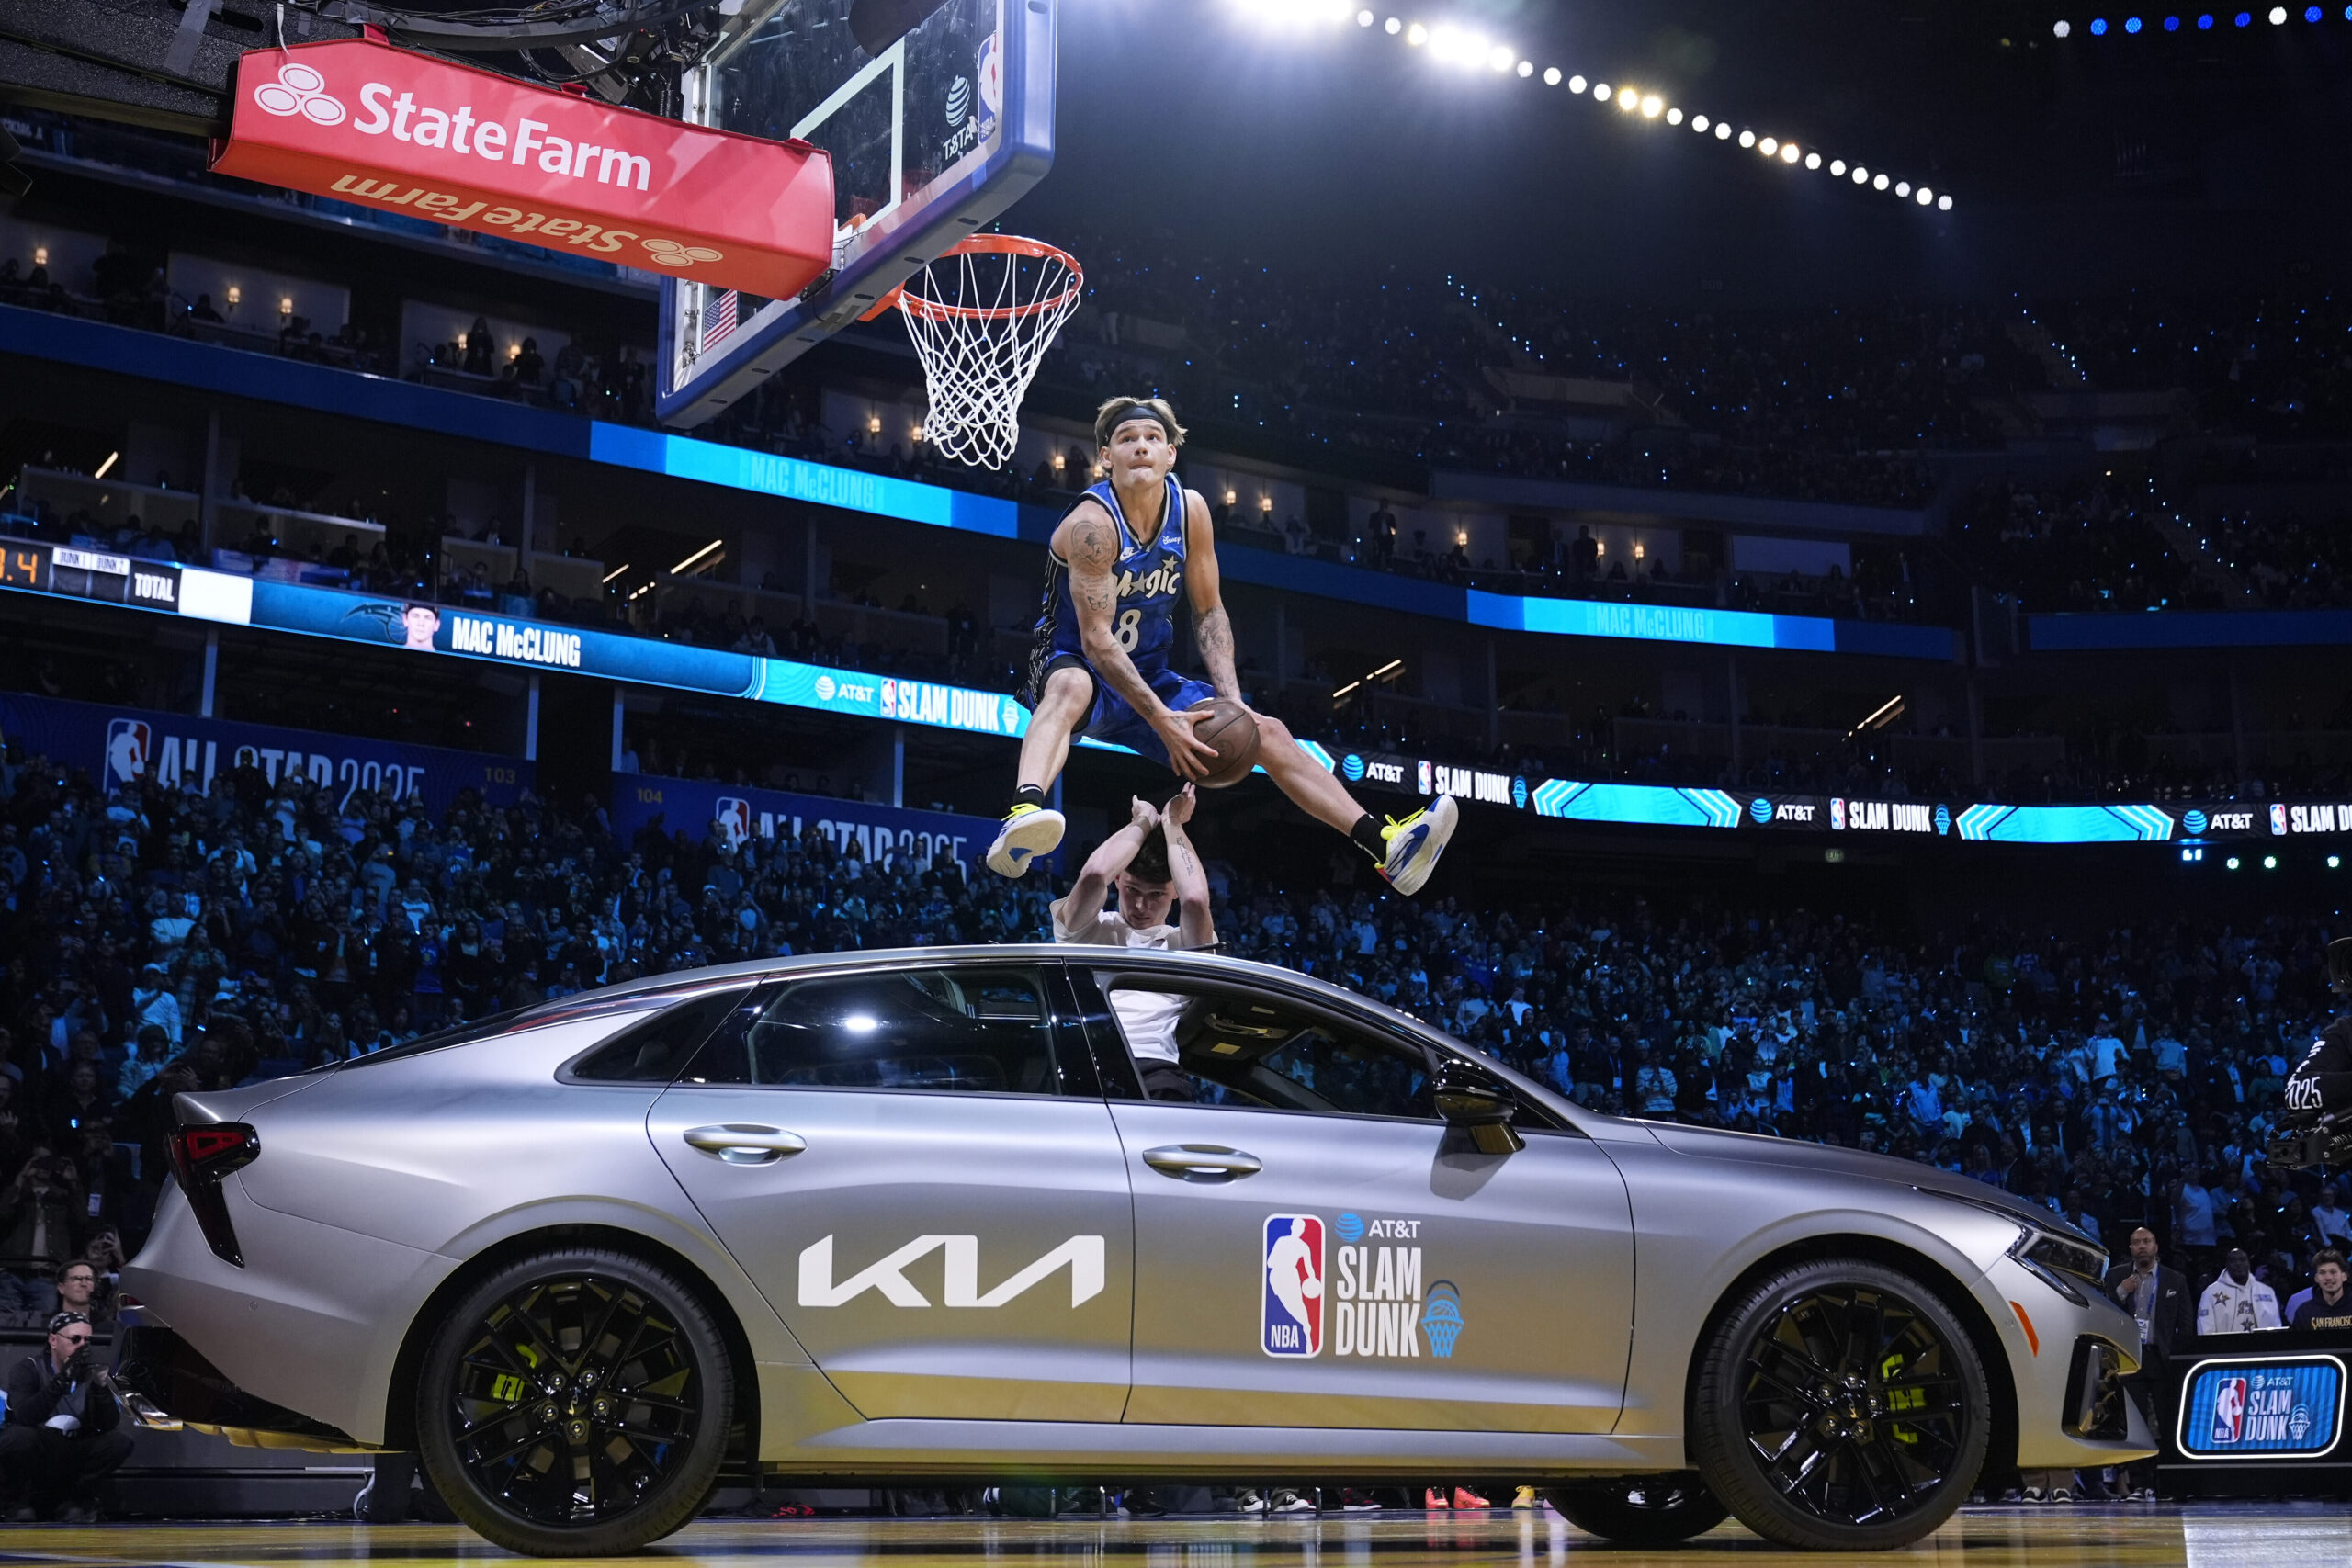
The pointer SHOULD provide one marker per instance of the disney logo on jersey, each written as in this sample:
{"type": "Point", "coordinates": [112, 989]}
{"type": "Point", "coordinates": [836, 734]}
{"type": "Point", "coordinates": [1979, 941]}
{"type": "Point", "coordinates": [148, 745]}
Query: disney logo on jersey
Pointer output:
{"type": "Point", "coordinates": [1163, 579]}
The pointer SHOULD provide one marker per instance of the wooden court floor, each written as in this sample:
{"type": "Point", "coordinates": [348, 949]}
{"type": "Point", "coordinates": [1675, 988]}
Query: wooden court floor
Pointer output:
{"type": "Point", "coordinates": [2218, 1535]}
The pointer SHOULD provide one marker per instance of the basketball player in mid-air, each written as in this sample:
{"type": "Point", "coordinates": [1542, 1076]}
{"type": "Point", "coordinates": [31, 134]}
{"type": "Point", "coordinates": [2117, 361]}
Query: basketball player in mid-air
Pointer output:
{"type": "Point", "coordinates": [1099, 667]}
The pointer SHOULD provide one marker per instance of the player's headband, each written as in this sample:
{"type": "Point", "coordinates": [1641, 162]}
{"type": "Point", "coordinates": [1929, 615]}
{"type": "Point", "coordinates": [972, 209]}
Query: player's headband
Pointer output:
{"type": "Point", "coordinates": [65, 1320]}
{"type": "Point", "coordinates": [1139, 411]}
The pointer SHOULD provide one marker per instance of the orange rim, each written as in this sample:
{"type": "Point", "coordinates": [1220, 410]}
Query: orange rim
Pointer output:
{"type": "Point", "coordinates": [984, 244]}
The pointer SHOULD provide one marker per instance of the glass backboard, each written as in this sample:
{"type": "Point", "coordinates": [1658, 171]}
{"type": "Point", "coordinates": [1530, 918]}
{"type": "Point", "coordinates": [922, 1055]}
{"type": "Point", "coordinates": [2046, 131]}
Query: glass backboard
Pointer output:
{"type": "Point", "coordinates": [930, 137]}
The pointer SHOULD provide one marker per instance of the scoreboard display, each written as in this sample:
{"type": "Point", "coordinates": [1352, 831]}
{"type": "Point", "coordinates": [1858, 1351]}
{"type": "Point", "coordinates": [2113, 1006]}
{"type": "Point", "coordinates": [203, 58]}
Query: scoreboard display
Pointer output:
{"type": "Point", "coordinates": [76, 573]}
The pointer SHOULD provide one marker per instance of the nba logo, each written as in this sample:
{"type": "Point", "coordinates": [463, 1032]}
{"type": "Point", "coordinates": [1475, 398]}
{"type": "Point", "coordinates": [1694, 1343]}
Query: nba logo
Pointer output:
{"type": "Point", "coordinates": [890, 697]}
{"type": "Point", "coordinates": [1837, 813]}
{"type": "Point", "coordinates": [2278, 819]}
{"type": "Point", "coordinates": [1426, 781]}
{"type": "Point", "coordinates": [1292, 1319]}
{"type": "Point", "coordinates": [130, 750]}
{"type": "Point", "coordinates": [735, 815]}
{"type": "Point", "coordinates": [2229, 1410]}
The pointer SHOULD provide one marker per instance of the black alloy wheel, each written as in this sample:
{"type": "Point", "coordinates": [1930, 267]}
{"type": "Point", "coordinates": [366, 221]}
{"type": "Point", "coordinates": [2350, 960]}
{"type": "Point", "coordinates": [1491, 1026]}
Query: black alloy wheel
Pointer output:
{"type": "Point", "coordinates": [1840, 1406]}
{"type": "Point", "coordinates": [576, 1404]}
{"type": "Point", "coordinates": [1640, 1510]}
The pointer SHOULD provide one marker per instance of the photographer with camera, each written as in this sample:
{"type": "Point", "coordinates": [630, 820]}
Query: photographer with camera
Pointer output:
{"type": "Point", "coordinates": [63, 1432]}
{"type": "Point", "coordinates": [2322, 1086]}
{"type": "Point", "coordinates": [2316, 1127]}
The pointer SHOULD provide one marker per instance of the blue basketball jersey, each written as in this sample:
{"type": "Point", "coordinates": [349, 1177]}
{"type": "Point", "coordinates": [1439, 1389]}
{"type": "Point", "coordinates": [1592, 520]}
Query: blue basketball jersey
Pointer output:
{"type": "Point", "coordinates": [1148, 578]}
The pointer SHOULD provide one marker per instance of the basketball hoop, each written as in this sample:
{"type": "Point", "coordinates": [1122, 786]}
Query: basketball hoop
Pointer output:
{"type": "Point", "coordinates": [982, 316]}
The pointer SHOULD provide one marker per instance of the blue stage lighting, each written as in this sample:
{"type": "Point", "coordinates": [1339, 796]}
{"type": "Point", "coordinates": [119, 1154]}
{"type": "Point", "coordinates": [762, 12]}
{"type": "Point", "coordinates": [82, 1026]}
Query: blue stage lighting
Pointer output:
{"type": "Point", "coordinates": [2130, 24]}
{"type": "Point", "coordinates": [2098, 27]}
{"type": "Point", "coordinates": [2172, 24]}
{"type": "Point", "coordinates": [2311, 13]}
{"type": "Point", "coordinates": [2246, 18]}
{"type": "Point", "coordinates": [2205, 22]}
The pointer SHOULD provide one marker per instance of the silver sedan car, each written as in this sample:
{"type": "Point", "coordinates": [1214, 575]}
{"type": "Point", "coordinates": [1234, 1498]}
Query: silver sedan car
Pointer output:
{"type": "Point", "coordinates": [907, 1217]}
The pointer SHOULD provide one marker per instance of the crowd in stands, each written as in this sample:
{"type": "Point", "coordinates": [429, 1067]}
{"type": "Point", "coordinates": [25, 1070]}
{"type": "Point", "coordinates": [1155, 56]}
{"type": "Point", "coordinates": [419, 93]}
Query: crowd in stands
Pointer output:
{"type": "Point", "coordinates": [1850, 404]}
{"type": "Point", "coordinates": [162, 938]}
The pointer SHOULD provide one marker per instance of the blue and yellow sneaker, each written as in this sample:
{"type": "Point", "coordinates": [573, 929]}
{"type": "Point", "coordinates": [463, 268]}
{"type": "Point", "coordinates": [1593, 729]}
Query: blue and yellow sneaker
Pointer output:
{"type": "Point", "coordinates": [1415, 844]}
{"type": "Point", "coordinates": [1028, 831]}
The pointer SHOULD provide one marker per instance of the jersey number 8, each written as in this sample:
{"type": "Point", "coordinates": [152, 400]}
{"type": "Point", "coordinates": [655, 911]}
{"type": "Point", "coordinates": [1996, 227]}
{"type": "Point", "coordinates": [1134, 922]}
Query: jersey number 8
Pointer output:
{"type": "Point", "coordinates": [1130, 630]}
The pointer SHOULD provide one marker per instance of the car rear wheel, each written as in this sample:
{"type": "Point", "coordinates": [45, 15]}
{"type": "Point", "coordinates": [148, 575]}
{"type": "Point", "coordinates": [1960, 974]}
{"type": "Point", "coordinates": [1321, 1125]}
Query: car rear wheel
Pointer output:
{"type": "Point", "coordinates": [575, 1404]}
{"type": "Point", "coordinates": [1840, 1406]}
{"type": "Point", "coordinates": [1640, 1510]}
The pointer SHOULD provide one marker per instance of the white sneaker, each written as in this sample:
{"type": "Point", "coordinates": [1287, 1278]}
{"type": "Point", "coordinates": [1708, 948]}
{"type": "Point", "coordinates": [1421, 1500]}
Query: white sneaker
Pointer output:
{"type": "Point", "coordinates": [1028, 831]}
{"type": "Point", "coordinates": [1287, 1501]}
{"type": "Point", "coordinates": [1415, 844]}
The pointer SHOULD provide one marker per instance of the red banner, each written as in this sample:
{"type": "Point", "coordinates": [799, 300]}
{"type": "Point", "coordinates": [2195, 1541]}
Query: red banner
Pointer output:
{"type": "Point", "coordinates": [363, 122]}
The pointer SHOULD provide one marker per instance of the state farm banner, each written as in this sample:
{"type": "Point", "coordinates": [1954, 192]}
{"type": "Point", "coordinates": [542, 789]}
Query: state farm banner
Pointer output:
{"type": "Point", "coordinates": [358, 119]}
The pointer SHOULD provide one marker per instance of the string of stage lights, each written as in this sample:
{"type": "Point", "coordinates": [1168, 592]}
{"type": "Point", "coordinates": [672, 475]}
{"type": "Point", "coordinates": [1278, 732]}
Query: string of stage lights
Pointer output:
{"type": "Point", "coordinates": [1469, 50]}
{"type": "Point", "coordinates": [2204, 22]}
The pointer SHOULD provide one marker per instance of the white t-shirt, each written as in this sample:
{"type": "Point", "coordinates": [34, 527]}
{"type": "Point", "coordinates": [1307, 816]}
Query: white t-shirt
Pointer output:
{"type": "Point", "coordinates": [1148, 1017]}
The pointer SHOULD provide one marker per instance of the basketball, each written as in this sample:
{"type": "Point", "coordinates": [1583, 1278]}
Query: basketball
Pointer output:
{"type": "Point", "coordinates": [1233, 730]}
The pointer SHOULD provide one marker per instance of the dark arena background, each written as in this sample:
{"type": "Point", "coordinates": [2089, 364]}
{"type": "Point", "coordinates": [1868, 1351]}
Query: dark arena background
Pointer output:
{"type": "Point", "coordinates": [1851, 504]}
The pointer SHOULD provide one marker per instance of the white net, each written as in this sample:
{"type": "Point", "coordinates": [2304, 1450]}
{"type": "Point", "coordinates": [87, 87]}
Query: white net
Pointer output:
{"type": "Point", "coordinates": [982, 316]}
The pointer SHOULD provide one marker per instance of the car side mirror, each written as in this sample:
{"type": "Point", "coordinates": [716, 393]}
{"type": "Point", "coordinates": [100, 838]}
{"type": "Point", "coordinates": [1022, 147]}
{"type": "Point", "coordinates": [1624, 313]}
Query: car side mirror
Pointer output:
{"type": "Point", "coordinates": [1469, 1100]}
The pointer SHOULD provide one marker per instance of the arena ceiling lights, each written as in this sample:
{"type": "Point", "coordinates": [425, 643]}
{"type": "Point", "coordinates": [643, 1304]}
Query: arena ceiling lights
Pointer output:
{"type": "Point", "coordinates": [1472, 52]}
{"type": "Point", "coordinates": [2180, 22]}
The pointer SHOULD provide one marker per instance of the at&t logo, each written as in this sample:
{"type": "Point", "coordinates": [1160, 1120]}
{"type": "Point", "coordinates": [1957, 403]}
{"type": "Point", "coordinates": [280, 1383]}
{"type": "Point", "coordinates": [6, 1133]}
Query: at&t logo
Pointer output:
{"type": "Point", "coordinates": [301, 90]}
{"type": "Point", "coordinates": [1351, 765]}
{"type": "Point", "coordinates": [1759, 809]}
{"type": "Point", "coordinates": [824, 688]}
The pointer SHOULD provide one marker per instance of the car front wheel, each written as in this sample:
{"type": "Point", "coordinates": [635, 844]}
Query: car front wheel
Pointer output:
{"type": "Point", "coordinates": [1840, 1406]}
{"type": "Point", "coordinates": [575, 1404]}
{"type": "Point", "coordinates": [1640, 1510]}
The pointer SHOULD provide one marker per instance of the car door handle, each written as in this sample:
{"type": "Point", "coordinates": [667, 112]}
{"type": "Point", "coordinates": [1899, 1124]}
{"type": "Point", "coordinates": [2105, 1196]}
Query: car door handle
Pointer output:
{"type": "Point", "coordinates": [1202, 1162]}
{"type": "Point", "coordinates": [740, 1143]}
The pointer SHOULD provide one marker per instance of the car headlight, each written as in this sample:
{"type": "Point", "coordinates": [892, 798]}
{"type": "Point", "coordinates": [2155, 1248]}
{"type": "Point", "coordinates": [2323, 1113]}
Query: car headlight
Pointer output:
{"type": "Point", "coordinates": [2059, 1256]}
{"type": "Point", "coordinates": [2062, 1263]}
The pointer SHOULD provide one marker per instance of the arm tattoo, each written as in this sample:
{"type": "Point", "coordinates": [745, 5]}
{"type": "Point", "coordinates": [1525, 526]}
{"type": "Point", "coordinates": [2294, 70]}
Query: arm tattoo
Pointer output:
{"type": "Point", "coordinates": [1092, 590]}
{"type": "Point", "coordinates": [1213, 633]}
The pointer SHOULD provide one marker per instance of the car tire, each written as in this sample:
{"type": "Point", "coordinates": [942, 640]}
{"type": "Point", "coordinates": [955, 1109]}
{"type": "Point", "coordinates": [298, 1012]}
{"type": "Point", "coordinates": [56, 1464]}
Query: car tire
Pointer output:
{"type": "Point", "coordinates": [575, 1404]}
{"type": "Point", "coordinates": [1840, 1406]}
{"type": "Point", "coordinates": [1640, 1510]}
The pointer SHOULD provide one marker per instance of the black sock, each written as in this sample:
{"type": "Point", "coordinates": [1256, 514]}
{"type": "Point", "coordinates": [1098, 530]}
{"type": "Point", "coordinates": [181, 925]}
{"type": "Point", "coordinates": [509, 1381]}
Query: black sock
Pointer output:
{"type": "Point", "coordinates": [1030, 794]}
{"type": "Point", "coordinates": [1367, 833]}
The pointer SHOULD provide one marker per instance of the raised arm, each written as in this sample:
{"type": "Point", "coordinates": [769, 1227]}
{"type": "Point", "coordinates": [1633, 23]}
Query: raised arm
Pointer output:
{"type": "Point", "coordinates": [1088, 540]}
{"type": "Point", "coordinates": [1212, 630]}
{"type": "Point", "coordinates": [1082, 905]}
{"type": "Point", "coordinates": [1195, 930]}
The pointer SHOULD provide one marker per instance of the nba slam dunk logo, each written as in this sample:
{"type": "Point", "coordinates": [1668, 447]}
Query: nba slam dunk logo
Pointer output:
{"type": "Point", "coordinates": [1292, 1319]}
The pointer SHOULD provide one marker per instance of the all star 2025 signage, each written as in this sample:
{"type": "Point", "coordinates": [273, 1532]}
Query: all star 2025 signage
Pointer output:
{"type": "Point", "coordinates": [363, 122]}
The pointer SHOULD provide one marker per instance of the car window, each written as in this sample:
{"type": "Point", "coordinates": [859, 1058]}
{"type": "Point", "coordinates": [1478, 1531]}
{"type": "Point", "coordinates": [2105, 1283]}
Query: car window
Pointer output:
{"type": "Point", "coordinates": [978, 1029]}
{"type": "Point", "coordinates": [1243, 1047]}
{"type": "Point", "coordinates": [658, 1049]}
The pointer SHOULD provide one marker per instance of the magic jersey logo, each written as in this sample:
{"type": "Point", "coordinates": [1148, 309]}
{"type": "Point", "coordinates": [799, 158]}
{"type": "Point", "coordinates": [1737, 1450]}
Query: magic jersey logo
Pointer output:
{"type": "Point", "coordinates": [1290, 1322]}
{"type": "Point", "coordinates": [1162, 581]}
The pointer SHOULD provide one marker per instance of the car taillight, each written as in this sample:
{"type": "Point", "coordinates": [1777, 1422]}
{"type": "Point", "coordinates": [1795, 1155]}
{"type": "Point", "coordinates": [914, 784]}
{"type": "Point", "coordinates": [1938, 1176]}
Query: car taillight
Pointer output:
{"type": "Point", "coordinates": [202, 1153]}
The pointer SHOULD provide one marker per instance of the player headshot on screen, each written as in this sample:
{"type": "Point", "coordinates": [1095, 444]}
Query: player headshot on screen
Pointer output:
{"type": "Point", "coordinates": [1099, 665]}
{"type": "Point", "coordinates": [421, 621]}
